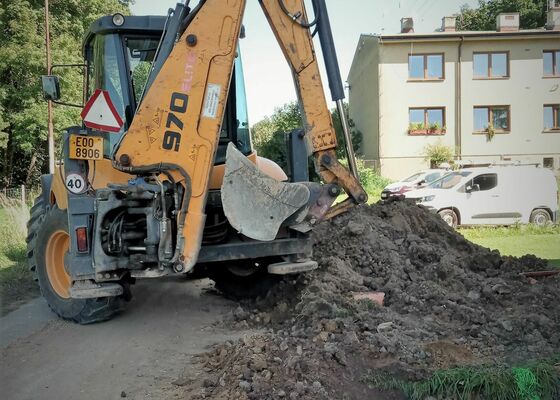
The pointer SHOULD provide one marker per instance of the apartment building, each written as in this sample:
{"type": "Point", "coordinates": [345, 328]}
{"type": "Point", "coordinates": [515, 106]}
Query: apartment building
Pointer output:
{"type": "Point", "coordinates": [490, 96]}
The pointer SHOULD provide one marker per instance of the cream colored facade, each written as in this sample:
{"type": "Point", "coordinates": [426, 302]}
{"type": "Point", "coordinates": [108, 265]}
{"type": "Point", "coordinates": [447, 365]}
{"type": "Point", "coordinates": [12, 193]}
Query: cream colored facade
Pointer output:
{"type": "Point", "coordinates": [380, 95]}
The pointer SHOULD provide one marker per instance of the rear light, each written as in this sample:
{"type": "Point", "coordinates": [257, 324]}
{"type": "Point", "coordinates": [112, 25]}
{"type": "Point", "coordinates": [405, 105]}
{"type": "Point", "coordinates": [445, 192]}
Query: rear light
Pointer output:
{"type": "Point", "coordinates": [81, 239]}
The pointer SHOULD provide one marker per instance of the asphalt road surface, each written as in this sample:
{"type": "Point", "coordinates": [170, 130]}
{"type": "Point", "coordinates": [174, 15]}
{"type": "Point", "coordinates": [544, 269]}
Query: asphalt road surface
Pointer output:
{"type": "Point", "coordinates": [144, 352]}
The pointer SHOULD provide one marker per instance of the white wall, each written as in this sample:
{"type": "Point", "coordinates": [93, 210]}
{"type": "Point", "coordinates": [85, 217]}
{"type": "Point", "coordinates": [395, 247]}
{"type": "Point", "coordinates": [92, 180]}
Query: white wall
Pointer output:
{"type": "Point", "coordinates": [397, 94]}
{"type": "Point", "coordinates": [526, 91]}
{"type": "Point", "coordinates": [364, 95]}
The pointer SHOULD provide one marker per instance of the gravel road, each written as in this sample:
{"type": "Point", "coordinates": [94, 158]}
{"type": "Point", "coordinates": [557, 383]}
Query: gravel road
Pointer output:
{"type": "Point", "coordinates": [138, 354]}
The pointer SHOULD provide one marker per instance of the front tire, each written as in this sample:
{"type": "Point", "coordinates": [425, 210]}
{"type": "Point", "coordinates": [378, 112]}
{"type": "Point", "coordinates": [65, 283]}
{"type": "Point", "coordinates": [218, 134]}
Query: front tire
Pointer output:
{"type": "Point", "coordinates": [449, 217]}
{"type": "Point", "coordinates": [540, 217]}
{"type": "Point", "coordinates": [47, 243]}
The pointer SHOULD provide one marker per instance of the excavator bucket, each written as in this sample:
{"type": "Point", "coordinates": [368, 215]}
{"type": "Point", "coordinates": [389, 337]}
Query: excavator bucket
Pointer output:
{"type": "Point", "coordinates": [256, 204]}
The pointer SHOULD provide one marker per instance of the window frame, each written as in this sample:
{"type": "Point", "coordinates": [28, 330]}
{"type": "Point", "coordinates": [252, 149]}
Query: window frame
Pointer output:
{"type": "Point", "coordinates": [555, 62]}
{"type": "Point", "coordinates": [490, 118]}
{"type": "Point", "coordinates": [471, 183]}
{"type": "Point", "coordinates": [426, 130]}
{"type": "Point", "coordinates": [555, 118]}
{"type": "Point", "coordinates": [425, 62]}
{"type": "Point", "coordinates": [489, 70]}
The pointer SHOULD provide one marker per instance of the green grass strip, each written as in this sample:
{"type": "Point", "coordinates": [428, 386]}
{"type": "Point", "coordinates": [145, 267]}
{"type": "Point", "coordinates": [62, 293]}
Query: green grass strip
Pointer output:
{"type": "Point", "coordinates": [538, 381]}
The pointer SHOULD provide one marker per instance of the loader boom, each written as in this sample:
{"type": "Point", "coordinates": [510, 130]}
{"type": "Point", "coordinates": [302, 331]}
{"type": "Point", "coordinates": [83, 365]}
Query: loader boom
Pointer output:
{"type": "Point", "coordinates": [177, 125]}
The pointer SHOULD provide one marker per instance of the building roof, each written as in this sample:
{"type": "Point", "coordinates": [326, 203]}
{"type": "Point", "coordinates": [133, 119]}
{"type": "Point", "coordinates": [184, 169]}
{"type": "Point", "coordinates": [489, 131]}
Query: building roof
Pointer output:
{"type": "Point", "coordinates": [367, 40]}
{"type": "Point", "coordinates": [438, 35]}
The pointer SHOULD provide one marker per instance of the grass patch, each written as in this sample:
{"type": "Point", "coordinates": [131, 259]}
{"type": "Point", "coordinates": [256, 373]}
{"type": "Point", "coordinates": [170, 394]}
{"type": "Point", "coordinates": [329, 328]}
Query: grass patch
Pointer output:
{"type": "Point", "coordinates": [16, 282]}
{"type": "Point", "coordinates": [537, 381]}
{"type": "Point", "coordinates": [518, 240]}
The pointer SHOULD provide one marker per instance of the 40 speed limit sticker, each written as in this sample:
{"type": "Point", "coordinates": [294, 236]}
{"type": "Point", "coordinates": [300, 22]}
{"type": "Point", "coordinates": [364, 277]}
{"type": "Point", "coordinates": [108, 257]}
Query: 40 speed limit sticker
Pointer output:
{"type": "Point", "coordinates": [75, 183]}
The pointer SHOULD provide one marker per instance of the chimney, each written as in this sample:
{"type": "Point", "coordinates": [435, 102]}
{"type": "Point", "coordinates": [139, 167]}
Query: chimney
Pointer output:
{"type": "Point", "coordinates": [553, 15]}
{"type": "Point", "coordinates": [449, 24]}
{"type": "Point", "coordinates": [507, 22]}
{"type": "Point", "coordinates": [407, 25]}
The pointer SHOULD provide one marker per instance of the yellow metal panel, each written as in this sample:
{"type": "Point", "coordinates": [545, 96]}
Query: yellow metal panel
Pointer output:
{"type": "Point", "coordinates": [179, 120]}
{"type": "Point", "coordinates": [58, 194]}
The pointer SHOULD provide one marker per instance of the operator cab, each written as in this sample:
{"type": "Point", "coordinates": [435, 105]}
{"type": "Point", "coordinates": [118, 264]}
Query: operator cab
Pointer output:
{"type": "Point", "coordinates": [119, 53]}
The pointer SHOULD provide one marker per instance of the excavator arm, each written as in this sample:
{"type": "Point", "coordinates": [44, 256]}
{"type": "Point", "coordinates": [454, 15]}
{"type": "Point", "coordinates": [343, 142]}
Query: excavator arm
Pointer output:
{"type": "Point", "coordinates": [176, 129]}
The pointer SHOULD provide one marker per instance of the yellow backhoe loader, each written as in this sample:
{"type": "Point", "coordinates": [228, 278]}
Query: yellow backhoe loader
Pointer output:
{"type": "Point", "coordinates": [162, 179]}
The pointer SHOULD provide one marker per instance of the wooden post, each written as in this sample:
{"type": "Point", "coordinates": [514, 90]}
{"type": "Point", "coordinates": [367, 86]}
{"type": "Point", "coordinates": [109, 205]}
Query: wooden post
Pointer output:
{"type": "Point", "coordinates": [23, 195]}
{"type": "Point", "coordinates": [50, 128]}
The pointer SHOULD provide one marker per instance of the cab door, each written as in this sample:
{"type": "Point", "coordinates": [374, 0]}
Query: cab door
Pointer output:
{"type": "Point", "coordinates": [482, 200]}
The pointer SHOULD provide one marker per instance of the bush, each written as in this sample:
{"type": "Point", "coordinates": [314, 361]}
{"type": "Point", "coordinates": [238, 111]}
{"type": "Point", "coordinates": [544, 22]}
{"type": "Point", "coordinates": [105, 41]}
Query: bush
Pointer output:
{"type": "Point", "coordinates": [13, 229]}
{"type": "Point", "coordinates": [372, 182]}
{"type": "Point", "coordinates": [438, 153]}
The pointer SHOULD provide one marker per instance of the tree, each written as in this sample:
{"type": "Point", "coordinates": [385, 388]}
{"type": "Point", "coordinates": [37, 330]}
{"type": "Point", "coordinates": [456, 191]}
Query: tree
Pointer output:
{"type": "Point", "coordinates": [23, 115]}
{"type": "Point", "coordinates": [268, 134]}
{"type": "Point", "coordinates": [355, 134]}
{"type": "Point", "coordinates": [269, 140]}
{"type": "Point", "coordinates": [532, 14]}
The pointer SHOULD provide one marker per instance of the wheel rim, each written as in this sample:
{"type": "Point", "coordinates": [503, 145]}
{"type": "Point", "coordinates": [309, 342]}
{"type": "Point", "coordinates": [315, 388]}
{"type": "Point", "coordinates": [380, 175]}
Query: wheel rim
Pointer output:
{"type": "Point", "coordinates": [57, 247]}
{"type": "Point", "coordinates": [540, 219]}
{"type": "Point", "coordinates": [448, 219]}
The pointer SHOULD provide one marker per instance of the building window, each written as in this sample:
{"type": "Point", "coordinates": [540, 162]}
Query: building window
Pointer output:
{"type": "Point", "coordinates": [548, 162]}
{"type": "Point", "coordinates": [495, 118]}
{"type": "Point", "coordinates": [426, 121]}
{"type": "Point", "coordinates": [490, 65]}
{"type": "Point", "coordinates": [425, 66]}
{"type": "Point", "coordinates": [551, 117]}
{"type": "Point", "coordinates": [551, 63]}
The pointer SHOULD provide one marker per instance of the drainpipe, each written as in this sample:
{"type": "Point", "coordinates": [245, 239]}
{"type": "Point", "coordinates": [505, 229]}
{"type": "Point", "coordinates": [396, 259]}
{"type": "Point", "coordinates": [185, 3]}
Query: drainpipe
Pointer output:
{"type": "Point", "coordinates": [458, 105]}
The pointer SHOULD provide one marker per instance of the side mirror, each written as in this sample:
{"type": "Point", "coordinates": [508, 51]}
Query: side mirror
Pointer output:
{"type": "Point", "coordinates": [422, 182]}
{"type": "Point", "coordinates": [51, 87]}
{"type": "Point", "coordinates": [473, 188]}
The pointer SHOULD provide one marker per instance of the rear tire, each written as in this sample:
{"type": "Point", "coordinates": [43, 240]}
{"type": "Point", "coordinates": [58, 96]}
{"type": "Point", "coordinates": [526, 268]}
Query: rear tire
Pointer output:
{"type": "Point", "coordinates": [540, 217]}
{"type": "Point", "coordinates": [449, 217]}
{"type": "Point", "coordinates": [236, 282]}
{"type": "Point", "coordinates": [47, 242]}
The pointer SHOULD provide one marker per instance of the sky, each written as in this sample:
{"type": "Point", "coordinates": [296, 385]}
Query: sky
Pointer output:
{"type": "Point", "coordinates": [267, 76]}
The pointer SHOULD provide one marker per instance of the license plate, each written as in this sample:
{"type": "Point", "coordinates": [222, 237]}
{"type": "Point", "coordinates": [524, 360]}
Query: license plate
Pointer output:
{"type": "Point", "coordinates": [86, 147]}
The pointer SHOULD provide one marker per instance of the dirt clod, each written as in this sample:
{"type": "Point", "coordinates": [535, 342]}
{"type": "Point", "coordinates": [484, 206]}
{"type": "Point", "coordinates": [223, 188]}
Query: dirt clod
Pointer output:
{"type": "Point", "coordinates": [447, 302]}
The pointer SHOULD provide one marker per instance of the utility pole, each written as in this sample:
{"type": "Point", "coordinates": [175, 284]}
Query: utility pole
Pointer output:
{"type": "Point", "coordinates": [50, 128]}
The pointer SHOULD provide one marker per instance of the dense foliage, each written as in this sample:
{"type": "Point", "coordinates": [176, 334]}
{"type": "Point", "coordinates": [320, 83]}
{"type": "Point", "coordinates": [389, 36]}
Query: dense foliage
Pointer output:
{"type": "Point", "coordinates": [532, 14]}
{"type": "Point", "coordinates": [23, 112]}
{"type": "Point", "coordinates": [269, 138]}
{"type": "Point", "coordinates": [269, 141]}
{"type": "Point", "coordinates": [437, 154]}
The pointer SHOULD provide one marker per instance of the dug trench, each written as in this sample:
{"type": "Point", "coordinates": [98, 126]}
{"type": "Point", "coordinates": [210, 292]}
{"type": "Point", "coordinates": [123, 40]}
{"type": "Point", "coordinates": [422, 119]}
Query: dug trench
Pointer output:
{"type": "Point", "coordinates": [398, 293]}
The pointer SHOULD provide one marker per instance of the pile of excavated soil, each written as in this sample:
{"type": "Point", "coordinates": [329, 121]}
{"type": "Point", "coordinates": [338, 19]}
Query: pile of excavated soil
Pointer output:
{"type": "Point", "coordinates": [447, 303]}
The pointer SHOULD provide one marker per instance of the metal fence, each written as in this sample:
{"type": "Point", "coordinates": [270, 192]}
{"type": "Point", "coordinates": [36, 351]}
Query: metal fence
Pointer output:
{"type": "Point", "coordinates": [17, 193]}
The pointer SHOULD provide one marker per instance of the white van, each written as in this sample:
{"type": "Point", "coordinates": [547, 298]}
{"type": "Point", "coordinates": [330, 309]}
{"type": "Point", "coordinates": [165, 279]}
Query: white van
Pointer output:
{"type": "Point", "coordinates": [494, 195]}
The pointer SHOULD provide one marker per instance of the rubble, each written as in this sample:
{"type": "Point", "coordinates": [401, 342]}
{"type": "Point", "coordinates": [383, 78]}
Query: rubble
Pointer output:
{"type": "Point", "coordinates": [446, 302]}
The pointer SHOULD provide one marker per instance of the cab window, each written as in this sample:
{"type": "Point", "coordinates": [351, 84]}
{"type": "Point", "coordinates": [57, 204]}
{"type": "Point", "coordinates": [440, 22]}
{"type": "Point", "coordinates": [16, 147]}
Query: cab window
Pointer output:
{"type": "Point", "coordinates": [482, 182]}
{"type": "Point", "coordinates": [450, 180]}
{"type": "Point", "coordinates": [432, 177]}
{"type": "Point", "coordinates": [486, 181]}
{"type": "Point", "coordinates": [103, 54]}
{"type": "Point", "coordinates": [103, 70]}
{"type": "Point", "coordinates": [140, 52]}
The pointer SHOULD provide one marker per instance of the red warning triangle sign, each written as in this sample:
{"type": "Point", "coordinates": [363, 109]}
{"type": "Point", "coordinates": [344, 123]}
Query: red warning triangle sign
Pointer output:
{"type": "Point", "coordinates": [100, 113]}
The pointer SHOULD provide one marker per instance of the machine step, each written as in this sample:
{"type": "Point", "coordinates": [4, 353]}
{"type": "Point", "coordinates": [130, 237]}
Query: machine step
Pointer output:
{"type": "Point", "coordinates": [286, 268]}
{"type": "Point", "coordinates": [89, 290]}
